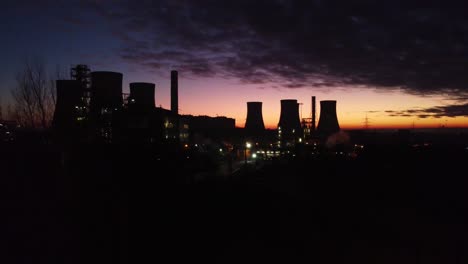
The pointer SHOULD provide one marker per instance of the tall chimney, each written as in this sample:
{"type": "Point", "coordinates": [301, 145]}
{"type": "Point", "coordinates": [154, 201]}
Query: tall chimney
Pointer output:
{"type": "Point", "coordinates": [174, 93]}
{"type": "Point", "coordinates": [314, 109]}
{"type": "Point", "coordinates": [328, 122]}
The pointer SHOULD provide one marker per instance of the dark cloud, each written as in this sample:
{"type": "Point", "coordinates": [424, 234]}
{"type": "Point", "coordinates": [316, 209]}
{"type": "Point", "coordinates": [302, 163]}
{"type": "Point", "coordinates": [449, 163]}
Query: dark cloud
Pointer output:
{"type": "Point", "coordinates": [380, 44]}
{"type": "Point", "coordinates": [457, 110]}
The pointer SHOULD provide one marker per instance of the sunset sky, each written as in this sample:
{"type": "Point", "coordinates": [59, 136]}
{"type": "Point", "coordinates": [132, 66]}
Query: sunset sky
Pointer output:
{"type": "Point", "coordinates": [394, 62]}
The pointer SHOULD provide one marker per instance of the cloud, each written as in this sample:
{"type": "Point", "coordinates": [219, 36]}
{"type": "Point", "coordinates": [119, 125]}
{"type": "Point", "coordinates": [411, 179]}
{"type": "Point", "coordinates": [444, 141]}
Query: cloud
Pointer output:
{"type": "Point", "coordinates": [377, 44]}
{"type": "Point", "coordinates": [456, 110]}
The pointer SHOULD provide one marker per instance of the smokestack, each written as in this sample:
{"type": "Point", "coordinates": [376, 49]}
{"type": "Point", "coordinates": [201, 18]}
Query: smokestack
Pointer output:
{"type": "Point", "coordinates": [314, 109]}
{"type": "Point", "coordinates": [289, 123]}
{"type": "Point", "coordinates": [254, 124]}
{"type": "Point", "coordinates": [328, 122]}
{"type": "Point", "coordinates": [142, 95]}
{"type": "Point", "coordinates": [174, 92]}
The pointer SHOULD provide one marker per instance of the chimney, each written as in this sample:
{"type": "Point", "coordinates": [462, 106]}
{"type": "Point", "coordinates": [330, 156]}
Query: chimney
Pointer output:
{"type": "Point", "coordinates": [174, 92]}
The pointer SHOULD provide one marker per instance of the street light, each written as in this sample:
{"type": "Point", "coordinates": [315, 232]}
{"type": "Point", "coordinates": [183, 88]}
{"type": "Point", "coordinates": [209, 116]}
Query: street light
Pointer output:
{"type": "Point", "coordinates": [247, 146]}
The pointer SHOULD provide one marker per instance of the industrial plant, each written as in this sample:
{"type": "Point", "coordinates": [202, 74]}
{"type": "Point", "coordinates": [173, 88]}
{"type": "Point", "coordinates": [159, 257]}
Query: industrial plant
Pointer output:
{"type": "Point", "coordinates": [91, 107]}
{"type": "Point", "coordinates": [106, 146]}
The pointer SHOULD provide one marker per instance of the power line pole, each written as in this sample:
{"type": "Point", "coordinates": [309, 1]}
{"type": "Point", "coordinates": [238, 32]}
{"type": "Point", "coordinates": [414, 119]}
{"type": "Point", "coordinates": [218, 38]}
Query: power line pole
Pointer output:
{"type": "Point", "coordinates": [366, 123]}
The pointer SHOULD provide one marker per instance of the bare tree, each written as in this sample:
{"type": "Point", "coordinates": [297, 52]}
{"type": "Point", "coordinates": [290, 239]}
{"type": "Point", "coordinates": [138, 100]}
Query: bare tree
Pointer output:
{"type": "Point", "coordinates": [24, 102]}
{"type": "Point", "coordinates": [34, 95]}
{"type": "Point", "coordinates": [10, 113]}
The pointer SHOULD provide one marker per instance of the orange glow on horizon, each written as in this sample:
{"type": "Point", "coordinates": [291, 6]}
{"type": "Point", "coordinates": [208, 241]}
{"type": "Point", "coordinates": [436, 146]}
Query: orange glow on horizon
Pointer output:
{"type": "Point", "coordinates": [221, 97]}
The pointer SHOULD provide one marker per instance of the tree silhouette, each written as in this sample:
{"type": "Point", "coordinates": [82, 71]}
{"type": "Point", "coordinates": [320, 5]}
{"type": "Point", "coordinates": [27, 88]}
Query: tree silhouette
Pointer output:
{"type": "Point", "coordinates": [34, 95]}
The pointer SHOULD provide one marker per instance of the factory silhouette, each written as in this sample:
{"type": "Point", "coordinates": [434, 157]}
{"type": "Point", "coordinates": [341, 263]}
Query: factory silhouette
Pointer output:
{"type": "Point", "coordinates": [91, 107]}
{"type": "Point", "coordinates": [197, 187]}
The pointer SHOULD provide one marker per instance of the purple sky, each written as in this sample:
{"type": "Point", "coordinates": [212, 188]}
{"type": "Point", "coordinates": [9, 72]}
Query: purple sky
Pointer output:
{"type": "Point", "coordinates": [394, 61]}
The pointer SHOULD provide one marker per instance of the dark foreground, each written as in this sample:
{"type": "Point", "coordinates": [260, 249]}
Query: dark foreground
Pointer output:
{"type": "Point", "coordinates": [114, 205]}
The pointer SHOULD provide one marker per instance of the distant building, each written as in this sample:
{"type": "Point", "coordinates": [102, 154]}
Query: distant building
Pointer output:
{"type": "Point", "coordinates": [216, 127]}
{"type": "Point", "coordinates": [93, 103]}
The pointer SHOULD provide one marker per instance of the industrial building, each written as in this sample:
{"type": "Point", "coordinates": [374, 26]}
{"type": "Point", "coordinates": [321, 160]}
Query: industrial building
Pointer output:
{"type": "Point", "coordinates": [98, 111]}
{"type": "Point", "coordinates": [91, 107]}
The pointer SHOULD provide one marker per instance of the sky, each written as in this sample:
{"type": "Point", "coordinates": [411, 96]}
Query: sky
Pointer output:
{"type": "Point", "coordinates": [393, 62]}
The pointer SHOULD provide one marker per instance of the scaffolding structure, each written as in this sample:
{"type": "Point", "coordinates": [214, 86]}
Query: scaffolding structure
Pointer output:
{"type": "Point", "coordinates": [82, 73]}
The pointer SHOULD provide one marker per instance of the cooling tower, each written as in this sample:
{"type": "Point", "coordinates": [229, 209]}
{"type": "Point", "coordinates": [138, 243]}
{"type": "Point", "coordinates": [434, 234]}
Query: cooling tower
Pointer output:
{"type": "Point", "coordinates": [254, 124]}
{"type": "Point", "coordinates": [328, 121]}
{"type": "Point", "coordinates": [106, 91]}
{"type": "Point", "coordinates": [289, 123]}
{"type": "Point", "coordinates": [142, 95]}
{"type": "Point", "coordinates": [69, 93]}
{"type": "Point", "coordinates": [174, 92]}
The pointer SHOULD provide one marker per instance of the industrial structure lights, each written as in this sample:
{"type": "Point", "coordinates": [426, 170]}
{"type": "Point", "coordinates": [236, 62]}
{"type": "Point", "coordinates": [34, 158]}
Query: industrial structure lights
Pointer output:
{"type": "Point", "coordinates": [248, 145]}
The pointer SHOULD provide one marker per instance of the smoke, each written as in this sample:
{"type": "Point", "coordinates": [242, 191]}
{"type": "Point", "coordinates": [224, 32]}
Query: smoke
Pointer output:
{"type": "Point", "coordinates": [339, 138]}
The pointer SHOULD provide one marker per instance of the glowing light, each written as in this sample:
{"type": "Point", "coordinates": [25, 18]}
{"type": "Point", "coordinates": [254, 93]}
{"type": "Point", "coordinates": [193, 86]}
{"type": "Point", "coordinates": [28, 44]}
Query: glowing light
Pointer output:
{"type": "Point", "coordinates": [220, 150]}
{"type": "Point", "coordinates": [300, 139]}
{"type": "Point", "coordinates": [248, 145]}
{"type": "Point", "coordinates": [254, 155]}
